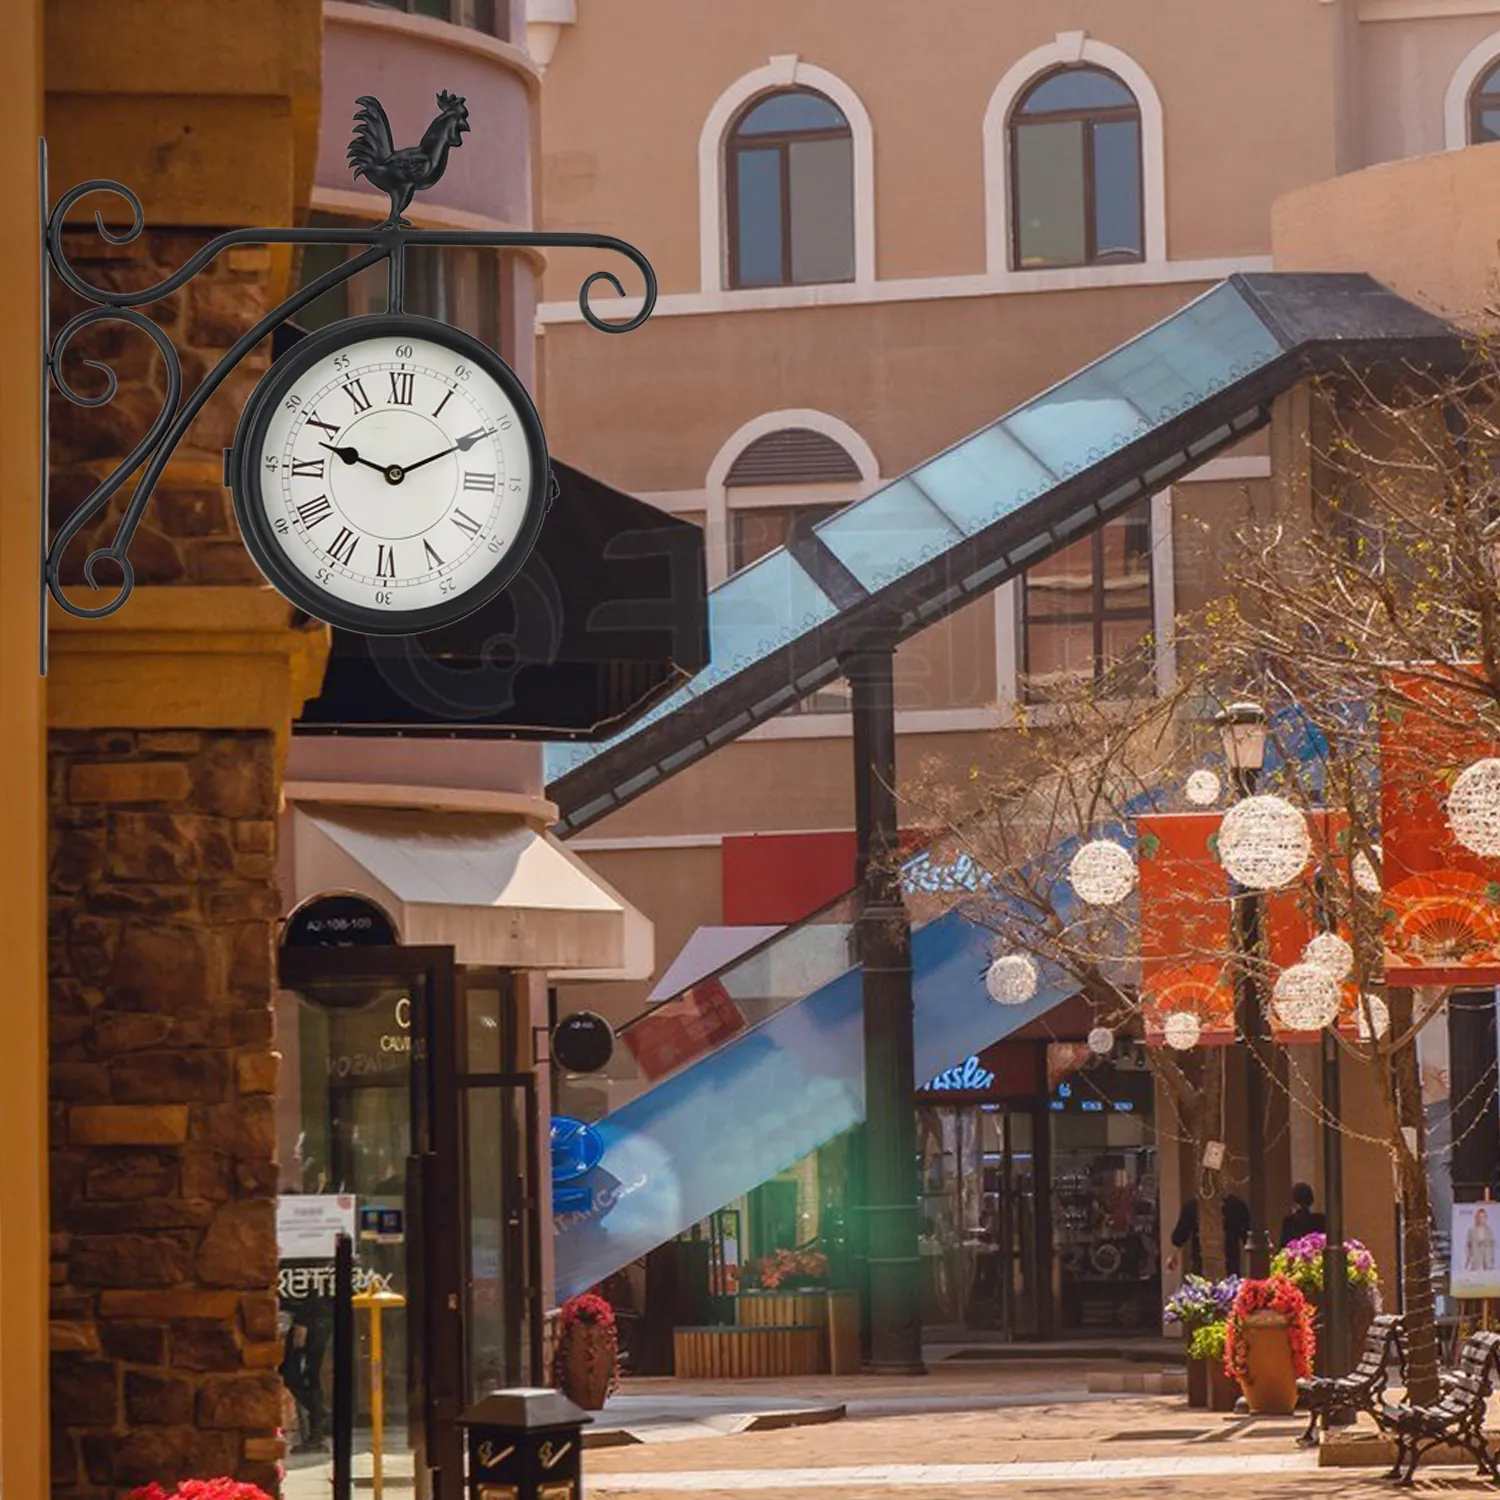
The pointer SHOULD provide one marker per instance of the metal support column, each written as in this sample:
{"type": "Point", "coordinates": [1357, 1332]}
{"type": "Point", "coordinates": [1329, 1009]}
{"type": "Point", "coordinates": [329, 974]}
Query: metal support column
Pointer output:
{"type": "Point", "coordinates": [1335, 1332]}
{"type": "Point", "coordinates": [884, 936]}
{"type": "Point", "coordinates": [1255, 1040]}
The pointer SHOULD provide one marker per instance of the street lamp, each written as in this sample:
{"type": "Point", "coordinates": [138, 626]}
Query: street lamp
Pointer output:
{"type": "Point", "coordinates": [1242, 727]}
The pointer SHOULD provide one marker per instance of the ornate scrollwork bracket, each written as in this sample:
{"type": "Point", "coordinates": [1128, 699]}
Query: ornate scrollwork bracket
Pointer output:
{"type": "Point", "coordinates": [387, 243]}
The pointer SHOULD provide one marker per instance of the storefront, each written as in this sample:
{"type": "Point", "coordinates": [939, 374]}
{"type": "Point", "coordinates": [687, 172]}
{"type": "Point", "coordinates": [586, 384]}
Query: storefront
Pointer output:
{"type": "Point", "coordinates": [1040, 1192]}
{"type": "Point", "coordinates": [411, 1018]}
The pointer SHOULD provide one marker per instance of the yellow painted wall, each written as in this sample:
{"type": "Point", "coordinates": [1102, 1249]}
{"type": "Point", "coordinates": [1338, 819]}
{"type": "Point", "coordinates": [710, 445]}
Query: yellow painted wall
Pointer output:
{"type": "Point", "coordinates": [23, 1117]}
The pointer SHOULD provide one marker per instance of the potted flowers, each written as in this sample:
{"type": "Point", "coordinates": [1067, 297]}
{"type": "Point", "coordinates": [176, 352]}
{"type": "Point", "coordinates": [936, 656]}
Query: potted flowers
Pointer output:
{"type": "Point", "coordinates": [585, 1367]}
{"type": "Point", "coordinates": [1201, 1307]}
{"type": "Point", "coordinates": [1301, 1262]}
{"type": "Point", "coordinates": [1268, 1343]}
{"type": "Point", "coordinates": [793, 1270]}
{"type": "Point", "coordinates": [202, 1489]}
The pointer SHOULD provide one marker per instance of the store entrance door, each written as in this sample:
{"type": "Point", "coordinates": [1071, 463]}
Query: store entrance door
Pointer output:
{"type": "Point", "coordinates": [981, 1244]}
{"type": "Point", "coordinates": [372, 1072]}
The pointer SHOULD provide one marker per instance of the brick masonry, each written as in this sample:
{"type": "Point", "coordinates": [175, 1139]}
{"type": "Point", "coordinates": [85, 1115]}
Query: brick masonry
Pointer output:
{"type": "Point", "coordinates": [163, 904]}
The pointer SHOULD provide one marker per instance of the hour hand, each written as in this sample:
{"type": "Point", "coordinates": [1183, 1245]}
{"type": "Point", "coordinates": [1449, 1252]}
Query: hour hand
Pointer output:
{"type": "Point", "coordinates": [351, 456]}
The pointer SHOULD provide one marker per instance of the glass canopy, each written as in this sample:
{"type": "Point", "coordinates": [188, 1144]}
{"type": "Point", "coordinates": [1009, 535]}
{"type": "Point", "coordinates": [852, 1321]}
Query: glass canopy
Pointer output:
{"type": "Point", "coordinates": [997, 501]}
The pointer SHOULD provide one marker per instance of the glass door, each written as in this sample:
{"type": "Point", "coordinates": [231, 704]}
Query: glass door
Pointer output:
{"type": "Point", "coordinates": [369, 1122]}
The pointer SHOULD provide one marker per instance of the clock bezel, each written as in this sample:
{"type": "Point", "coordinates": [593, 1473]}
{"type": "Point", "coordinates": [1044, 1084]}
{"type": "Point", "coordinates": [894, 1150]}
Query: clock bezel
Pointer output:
{"type": "Point", "coordinates": [246, 477]}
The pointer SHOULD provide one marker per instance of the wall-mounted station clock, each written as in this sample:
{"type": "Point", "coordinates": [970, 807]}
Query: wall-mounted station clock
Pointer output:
{"type": "Point", "coordinates": [390, 474]}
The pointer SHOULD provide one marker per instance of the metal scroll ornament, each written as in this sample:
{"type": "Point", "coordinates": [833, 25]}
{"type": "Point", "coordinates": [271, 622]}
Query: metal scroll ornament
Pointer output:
{"type": "Point", "coordinates": [400, 172]}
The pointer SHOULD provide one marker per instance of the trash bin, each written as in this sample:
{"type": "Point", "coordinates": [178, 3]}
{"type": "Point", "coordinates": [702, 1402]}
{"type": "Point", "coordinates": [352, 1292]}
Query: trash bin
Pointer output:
{"type": "Point", "coordinates": [525, 1444]}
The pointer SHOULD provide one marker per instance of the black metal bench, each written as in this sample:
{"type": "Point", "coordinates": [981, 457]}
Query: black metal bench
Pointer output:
{"type": "Point", "coordinates": [1456, 1419]}
{"type": "Point", "coordinates": [1363, 1388]}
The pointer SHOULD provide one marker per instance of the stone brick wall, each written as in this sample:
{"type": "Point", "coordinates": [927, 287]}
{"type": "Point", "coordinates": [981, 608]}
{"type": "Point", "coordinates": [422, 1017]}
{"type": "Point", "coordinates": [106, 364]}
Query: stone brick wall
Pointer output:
{"type": "Point", "coordinates": [188, 533]}
{"type": "Point", "coordinates": [163, 907]}
{"type": "Point", "coordinates": [163, 904]}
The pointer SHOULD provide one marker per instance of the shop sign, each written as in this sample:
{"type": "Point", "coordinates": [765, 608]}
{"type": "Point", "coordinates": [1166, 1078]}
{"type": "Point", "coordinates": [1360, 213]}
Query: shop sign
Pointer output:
{"type": "Point", "coordinates": [293, 1283]}
{"type": "Point", "coordinates": [970, 1076]}
{"type": "Point", "coordinates": [308, 1224]}
{"type": "Point", "coordinates": [576, 1149]}
{"type": "Point", "coordinates": [583, 1042]}
{"type": "Point", "coordinates": [339, 920]}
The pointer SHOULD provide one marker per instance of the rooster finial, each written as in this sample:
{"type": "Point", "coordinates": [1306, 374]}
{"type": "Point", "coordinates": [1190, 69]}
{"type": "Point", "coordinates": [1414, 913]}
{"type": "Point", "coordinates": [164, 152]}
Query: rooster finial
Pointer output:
{"type": "Point", "coordinates": [405, 171]}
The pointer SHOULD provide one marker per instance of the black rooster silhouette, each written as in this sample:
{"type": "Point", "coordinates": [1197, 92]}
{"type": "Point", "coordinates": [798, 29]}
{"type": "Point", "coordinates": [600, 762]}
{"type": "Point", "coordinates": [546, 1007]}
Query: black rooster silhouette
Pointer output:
{"type": "Point", "coordinates": [373, 154]}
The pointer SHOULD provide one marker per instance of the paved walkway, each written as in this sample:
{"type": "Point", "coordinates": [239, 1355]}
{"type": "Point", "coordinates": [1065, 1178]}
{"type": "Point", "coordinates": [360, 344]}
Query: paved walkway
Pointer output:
{"type": "Point", "coordinates": [943, 1476]}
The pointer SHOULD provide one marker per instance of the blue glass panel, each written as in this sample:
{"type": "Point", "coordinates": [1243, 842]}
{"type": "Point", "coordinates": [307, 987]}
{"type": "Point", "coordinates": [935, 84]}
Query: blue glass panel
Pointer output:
{"type": "Point", "coordinates": [1077, 89]}
{"type": "Point", "coordinates": [1209, 344]}
{"type": "Point", "coordinates": [1491, 84]}
{"type": "Point", "coordinates": [986, 477]}
{"type": "Point", "coordinates": [1117, 190]}
{"type": "Point", "coordinates": [890, 533]}
{"type": "Point", "coordinates": [1487, 127]}
{"type": "Point", "coordinates": [792, 110]}
{"type": "Point", "coordinates": [768, 604]}
{"type": "Point", "coordinates": [758, 176]}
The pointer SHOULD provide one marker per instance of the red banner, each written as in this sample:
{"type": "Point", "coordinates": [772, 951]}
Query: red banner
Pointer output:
{"type": "Point", "coordinates": [683, 1029]}
{"type": "Point", "coordinates": [1442, 902]}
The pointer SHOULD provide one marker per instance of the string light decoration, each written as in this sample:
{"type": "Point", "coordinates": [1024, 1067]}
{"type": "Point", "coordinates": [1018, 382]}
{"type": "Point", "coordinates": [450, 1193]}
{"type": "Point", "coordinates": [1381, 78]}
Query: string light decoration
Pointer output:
{"type": "Point", "coordinates": [1264, 843]}
{"type": "Point", "coordinates": [1305, 997]}
{"type": "Point", "coordinates": [1202, 788]}
{"type": "Point", "coordinates": [1101, 1041]}
{"type": "Point", "coordinates": [1329, 951]}
{"type": "Point", "coordinates": [1366, 871]}
{"type": "Point", "coordinates": [1011, 980]}
{"type": "Point", "coordinates": [1474, 807]}
{"type": "Point", "coordinates": [1374, 1019]}
{"type": "Point", "coordinates": [1181, 1030]}
{"type": "Point", "coordinates": [1102, 873]}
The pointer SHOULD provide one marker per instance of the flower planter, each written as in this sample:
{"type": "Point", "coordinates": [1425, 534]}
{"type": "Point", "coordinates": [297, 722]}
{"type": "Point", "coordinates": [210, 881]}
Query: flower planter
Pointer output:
{"type": "Point", "coordinates": [1197, 1384]}
{"type": "Point", "coordinates": [1270, 1381]}
{"type": "Point", "coordinates": [1223, 1388]}
{"type": "Point", "coordinates": [586, 1363]}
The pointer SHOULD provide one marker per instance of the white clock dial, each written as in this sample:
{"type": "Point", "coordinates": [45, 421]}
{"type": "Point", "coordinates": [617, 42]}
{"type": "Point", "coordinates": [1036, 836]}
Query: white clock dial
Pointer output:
{"type": "Point", "coordinates": [394, 473]}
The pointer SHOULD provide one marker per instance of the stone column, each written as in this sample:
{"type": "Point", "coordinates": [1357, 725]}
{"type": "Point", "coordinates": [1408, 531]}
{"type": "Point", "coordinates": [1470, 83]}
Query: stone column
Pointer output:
{"type": "Point", "coordinates": [163, 1137]}
{"type": "Point", "coordinates": [169, 724]}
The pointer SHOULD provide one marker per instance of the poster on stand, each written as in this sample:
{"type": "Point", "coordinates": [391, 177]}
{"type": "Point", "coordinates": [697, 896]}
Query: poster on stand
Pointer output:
{"type": "Point", "coordinates": [308, 1224]}
{"type": "Point", "coordinates": [1475, 1265]}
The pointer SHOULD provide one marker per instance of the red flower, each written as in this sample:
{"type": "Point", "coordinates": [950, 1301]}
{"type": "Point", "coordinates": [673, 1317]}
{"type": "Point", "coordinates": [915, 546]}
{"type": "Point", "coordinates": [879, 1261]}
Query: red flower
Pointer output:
{"type": "Point", "coordinates": [222, 1488]}
{"type": "Point", "coordinates": [1276, 1294]}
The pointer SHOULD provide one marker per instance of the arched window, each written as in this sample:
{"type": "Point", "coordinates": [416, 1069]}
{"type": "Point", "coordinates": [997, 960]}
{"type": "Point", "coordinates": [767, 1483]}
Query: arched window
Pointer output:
{"type": "Point", "coordinates": [1075, 142]}
{"type": "Point", "coordinates": [1484, 107]}
{"type": "Point", "coordinates": [790, 182]}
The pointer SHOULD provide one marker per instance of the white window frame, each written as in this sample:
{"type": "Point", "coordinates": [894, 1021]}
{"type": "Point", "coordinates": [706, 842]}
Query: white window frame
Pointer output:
{"type": "Point", "coordinates": [716, 491]}
{"type": "Point", "coordinates": [784, 72]}
{"type": "Point", "coordinates": [1477, 61]}
{"type": "Point", "coordinates": [1071, 49]}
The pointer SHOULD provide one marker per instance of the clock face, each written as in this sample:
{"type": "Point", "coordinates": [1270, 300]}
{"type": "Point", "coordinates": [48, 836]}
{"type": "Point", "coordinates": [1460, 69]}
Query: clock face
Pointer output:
{"type": "Point", "coordinates": [390, 474]}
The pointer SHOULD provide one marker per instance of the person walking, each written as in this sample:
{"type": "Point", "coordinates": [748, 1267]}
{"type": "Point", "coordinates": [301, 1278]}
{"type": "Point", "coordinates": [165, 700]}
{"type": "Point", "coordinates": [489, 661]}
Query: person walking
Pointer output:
{"type": "Point", "coordinates": [1236, 1232]}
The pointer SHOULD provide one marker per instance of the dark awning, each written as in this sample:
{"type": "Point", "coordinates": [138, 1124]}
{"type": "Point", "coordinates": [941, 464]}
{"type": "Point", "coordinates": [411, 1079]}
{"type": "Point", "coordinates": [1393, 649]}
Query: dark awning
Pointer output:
{"type": "Point", "coordinates": [608, 616]}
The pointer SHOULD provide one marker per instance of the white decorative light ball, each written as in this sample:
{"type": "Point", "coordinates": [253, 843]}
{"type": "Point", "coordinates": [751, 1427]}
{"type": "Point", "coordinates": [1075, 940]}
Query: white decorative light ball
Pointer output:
{"type": "Point", "coordinates": [1264, 843]}
{"type": "Point", "coordinates": [1011, 979]}
{"type": "Point", "coordinates": [1202, 788]}
{"type": "Point", "coordinates": [1374, 1018]}
{"type": "Point", "coordinates": [1366, 871]}
{"type": "Point", "coordinates": [1101, 1041]}
{"type": "Point", "coordinates": [1474, 807]}
{"type": "Point", "coordinates": [1329, 951]}
{"type": "Point", "coordinates": [1305, 997]}
{"type": "Point", "coordinates": [1102, 873]}
{"type": "Point", "coordinates": [1181, 1030]}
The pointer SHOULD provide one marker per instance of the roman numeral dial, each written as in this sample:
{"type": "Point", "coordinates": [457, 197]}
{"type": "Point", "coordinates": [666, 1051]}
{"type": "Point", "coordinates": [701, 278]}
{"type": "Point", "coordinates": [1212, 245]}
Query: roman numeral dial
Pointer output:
{"type": "Point", "coordinates": [395, 474]}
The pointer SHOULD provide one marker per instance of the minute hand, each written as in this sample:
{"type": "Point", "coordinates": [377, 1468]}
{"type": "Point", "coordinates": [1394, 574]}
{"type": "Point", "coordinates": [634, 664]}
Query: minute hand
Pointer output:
{"type": "Point", "coordinates": [461, 446]}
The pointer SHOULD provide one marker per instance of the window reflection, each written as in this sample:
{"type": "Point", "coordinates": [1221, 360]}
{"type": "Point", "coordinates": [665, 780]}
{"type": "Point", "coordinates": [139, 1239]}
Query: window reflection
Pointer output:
{"type": "Point", "coordinates": [790, 192]}
{"type": "Point", "coordinates": [1087, 612]}
{"type": "Point", "coordinates": [1076, 172]}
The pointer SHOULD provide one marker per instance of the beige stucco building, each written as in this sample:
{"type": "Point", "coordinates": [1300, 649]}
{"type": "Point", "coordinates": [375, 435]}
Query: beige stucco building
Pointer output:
{"type": "Point", "coordinates": [875, 236]}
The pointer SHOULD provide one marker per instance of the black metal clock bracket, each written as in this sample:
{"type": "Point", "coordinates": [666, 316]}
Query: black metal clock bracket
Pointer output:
{"type": "Point", "coordinates": [399, 172]}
